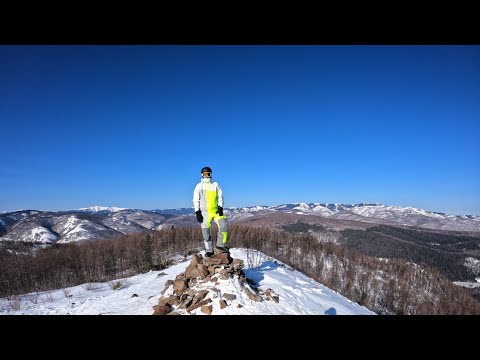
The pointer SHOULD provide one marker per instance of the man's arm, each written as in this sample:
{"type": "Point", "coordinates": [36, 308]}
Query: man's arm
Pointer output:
{"type": "Point", "coordinates": [220, 196]}
{"type": "Point", "coordinates": [196, 198]}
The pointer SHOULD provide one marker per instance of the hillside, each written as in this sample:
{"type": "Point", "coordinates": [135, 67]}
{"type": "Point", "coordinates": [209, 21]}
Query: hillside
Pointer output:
{"type": "Point", "coordinates": [297, 294]}
{"type": "Point", "coordinates": [456, 254]}
{"type": "Point", "coordinates": [385, 286]}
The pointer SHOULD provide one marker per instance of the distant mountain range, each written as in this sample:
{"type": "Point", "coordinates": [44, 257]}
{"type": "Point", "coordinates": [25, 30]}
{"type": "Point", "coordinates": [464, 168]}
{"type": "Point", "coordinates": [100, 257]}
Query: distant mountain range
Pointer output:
{"type": "Point", "coordinates": [99, 222]}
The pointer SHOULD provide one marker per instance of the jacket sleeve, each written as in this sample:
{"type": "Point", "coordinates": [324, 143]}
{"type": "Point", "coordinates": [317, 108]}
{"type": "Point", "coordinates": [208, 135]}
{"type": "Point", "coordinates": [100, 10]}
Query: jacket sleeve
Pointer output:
{"type": "Point", "coordinates": [219, 196]}
{"type": "Point", "coordinates": [196, 198]}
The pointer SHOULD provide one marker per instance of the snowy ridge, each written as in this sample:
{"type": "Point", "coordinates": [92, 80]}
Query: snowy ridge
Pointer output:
{"type": "Point", "coordinates": [368, 213]}
{"type": "Point", "coordinates": [43, 235]}
{"type": "Point", "coordinates": [100, 222]}
{"type": "Point", "coordinates": [298, 294]}
{"type": "Point", "coordinates": [102, 208]}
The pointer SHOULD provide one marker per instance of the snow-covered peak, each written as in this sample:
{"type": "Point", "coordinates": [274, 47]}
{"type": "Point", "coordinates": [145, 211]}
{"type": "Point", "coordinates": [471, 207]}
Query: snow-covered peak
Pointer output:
{"type": "Point", "coordinates": [301, 207]}
{"type": "Point", "coordinates": [102, 208]}
{"type": "Point", "coordinates": [43, 235]}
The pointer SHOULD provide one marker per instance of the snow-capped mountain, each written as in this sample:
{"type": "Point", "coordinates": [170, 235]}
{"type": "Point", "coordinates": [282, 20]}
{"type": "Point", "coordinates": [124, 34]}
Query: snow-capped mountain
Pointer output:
{"type": "Point", "coordinates": [100, 222]}
{"type": "Point", "coordinates": [70, 226]}
{"type": "Point", "coordinates": [297, 294]}
{"type": "Point", "coordinates": [102, 208]}
{"type": "Point", "coordinates": [370, 213]}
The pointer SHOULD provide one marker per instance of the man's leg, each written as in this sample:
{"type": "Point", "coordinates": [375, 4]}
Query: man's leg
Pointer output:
{"type": "Point", "coordinates": [207, 240]}
{"type": "Point", "coordinates": [222, 236]}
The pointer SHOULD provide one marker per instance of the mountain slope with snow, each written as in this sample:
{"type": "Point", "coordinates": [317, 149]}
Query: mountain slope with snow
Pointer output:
{"type": "Point", "coordinates": [102, 208]}
{"type": "Point", "coordinates": [298, 294]}
{"type": "Point", "coordinates": [100, 222]}
{"type": "Point", "coordinates": [370, 213]}
{"type": "Point", "coordinates": [71, 226]}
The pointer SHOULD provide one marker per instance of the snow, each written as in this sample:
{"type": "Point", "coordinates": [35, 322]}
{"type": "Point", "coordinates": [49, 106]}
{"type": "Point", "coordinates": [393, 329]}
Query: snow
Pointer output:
{"type": "Point", "coordinates": [71, 223]}
{"type": "Point", "coordinates": [255, 208]}
{"type": "Point", "coordinates": [298, 294]}
{"type": "Point", "coordinates": [1, 222]}
{"type": "Point", "coordinates": [43, 235]}
{"type": "Point", "coordinates": [103, 208]}
{"type": "Point", "coordinates": [467, 284]}
{"type": "Point", "coordinates": [302, 207]}
{"type": "Point", "coordinates": [322, 210]}
{"type": "Point", "coordinates": [473, 264]}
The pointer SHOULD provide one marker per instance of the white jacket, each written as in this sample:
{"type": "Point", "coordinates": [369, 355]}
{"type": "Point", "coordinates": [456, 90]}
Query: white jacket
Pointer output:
{"type": "Point", "coordinates": [207, 196]}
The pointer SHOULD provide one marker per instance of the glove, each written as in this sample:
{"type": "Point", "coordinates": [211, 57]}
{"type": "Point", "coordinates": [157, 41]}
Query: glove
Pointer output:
{"type": "Point", "coordinates": [198, 213]}
{"type": "Point", "coordinates": [220, 211]}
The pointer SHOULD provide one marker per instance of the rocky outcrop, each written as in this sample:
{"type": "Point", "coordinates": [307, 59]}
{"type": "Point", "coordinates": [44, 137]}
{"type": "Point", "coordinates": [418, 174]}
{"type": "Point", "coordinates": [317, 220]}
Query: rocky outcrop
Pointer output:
{"type": "Point", "coordinates": [195, 287]}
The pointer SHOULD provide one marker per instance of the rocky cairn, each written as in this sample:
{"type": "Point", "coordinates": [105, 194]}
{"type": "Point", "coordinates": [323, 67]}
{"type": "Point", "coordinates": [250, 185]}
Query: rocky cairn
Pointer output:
{"type": "Point", "coordinates": [195, 288]}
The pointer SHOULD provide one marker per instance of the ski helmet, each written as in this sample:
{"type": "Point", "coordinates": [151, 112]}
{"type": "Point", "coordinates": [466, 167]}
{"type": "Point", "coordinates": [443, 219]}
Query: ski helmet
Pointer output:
{"type": "Point", "coordinates": [206, 169]}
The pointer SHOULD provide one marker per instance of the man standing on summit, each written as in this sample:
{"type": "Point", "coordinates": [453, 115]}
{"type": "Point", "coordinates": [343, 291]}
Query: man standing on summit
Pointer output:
{"type": "Point", "coordinates": [208, 205]}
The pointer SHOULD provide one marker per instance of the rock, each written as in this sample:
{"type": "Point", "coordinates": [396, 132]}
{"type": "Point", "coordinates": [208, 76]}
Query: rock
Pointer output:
{"type": "Point", "coordinates": [270, 294]}
{"type": "Point", "coordinates": [202, 270]}
{"type": "Point", "coordinates": [201, 303]}
{"type": "Point", "coordinates": [191, 292]}
{"type": "Point", "coordinates": [134, 295]}
{"type": "Point", "coordinates": [229, 296]}
{"type": "Point", "coordinates": [191, 272]}
{"type": "Point", "coordinates": [199, 296]}
{"type": "Point", "coordinates": [167, 285]}
{"type": "Point", "coordinates": [186, 303]}
{"type": "Point", "coordinates": [237, 264]}
{"type": "Point", "coordinates": [218, 251]}
{"type": "Point", "coordinates": [173, 313]}
{"type": "Point", "coordinates": [201, 273]}
{"type": "Point", "coordinates": [223, 257]}
{"type": "Point", "coordinates": [162, 310]}
{"type": "Point", "coordinates": [171, 300]}
{"type": "Point", "coordinates": [179, 286]}
{"type": "Point", "coordinates": [223, 304]}
{"type": "Point", "coordinates": [224, 276]}
{"type": "Point", "coordinates": [196, 259]}
{"type": "Point", "coordinates": [228, 268]}
{"type": "Point", "coordinates": [207, 309]}
{"type": "Point", "coordinates": [242, 279]}
{"type": "Point", "coordinates": [216, 293]}
{"type": "Point", "coordinates": [211, 261]}
{"type": "Point", "coordinates": [252, 296]}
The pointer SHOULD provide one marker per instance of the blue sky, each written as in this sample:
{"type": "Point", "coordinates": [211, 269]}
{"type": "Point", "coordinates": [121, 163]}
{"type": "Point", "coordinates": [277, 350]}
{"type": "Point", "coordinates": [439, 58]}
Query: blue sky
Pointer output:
{"type": "Point", "coordinates": [132, 126]}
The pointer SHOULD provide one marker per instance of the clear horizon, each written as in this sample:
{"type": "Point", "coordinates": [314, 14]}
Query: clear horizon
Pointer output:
{"type": "Point", "coordinates": [131, 126]}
